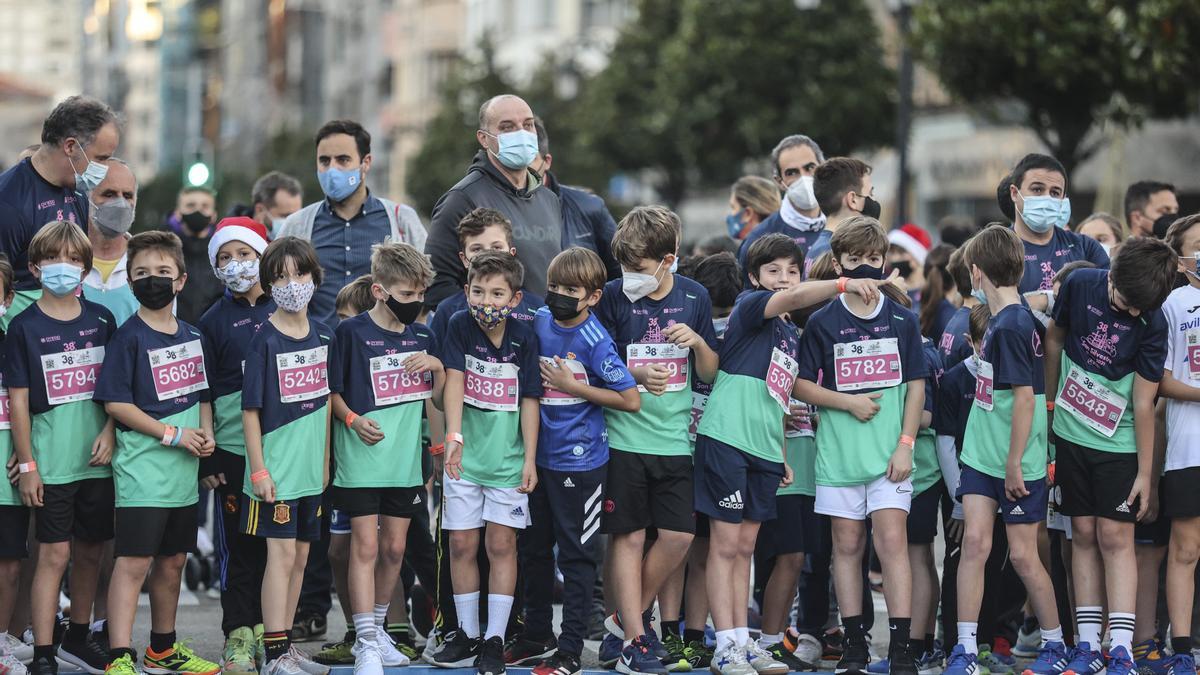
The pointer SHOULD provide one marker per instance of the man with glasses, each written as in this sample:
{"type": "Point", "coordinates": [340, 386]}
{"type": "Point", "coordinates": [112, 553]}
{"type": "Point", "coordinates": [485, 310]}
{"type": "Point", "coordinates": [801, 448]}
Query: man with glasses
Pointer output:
{"type": "Point", "coordinates": [794, 160]}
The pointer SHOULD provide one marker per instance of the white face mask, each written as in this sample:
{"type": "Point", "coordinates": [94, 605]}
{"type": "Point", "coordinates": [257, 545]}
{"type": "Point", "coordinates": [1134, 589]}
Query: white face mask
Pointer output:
{"type": "Point", "coordinates": [801, 195]}
{"type": "Point", "coordinates": [637, 285]}
{"type": "Point", "coordinates": [721, 325]}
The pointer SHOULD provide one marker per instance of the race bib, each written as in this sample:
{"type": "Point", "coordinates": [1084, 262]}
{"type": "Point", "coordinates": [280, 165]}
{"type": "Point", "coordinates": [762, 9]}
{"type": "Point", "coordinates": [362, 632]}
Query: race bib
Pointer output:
{"type": "Point", "coordinates": [491, 386]}
{"type": "Point", "coordinates": [799, 425]}
{"type": "Point", "coordinates": [303, 375]}
{"type": "Point", "coordinates": [867, 364]}
{"type": "Point", "coordinates": [699, 401]}
{"type": "Point", "coordinates": [393, 384]}
{"type": "Point", "coordinates": [71, 376]}
{"type": "Point", "coordinates": [983, 385]}
{"type": "Point", "coordinates": [1192, 342]}
{"type": "Point", "coordinates": [673, 357]}
{"type": "Point", "coordinates": [1092, 403]}
{"type": "Point", "coordinates": [781, 375]}
{"type": "Point", "coordinates": [5, 420]}
{"type": "Point", "coordinates": [552, 396]}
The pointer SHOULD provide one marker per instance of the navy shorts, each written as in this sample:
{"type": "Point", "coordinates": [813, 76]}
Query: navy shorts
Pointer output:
{"type": "Point", "coordinates": [298, 519]}
{"type": "Point", "coordinates": [923, 515]}
{"type": "Point", "coordinates": [733, 486]}
{"type": "Point", "coordinates": [1029, 509]}
{"type": "Point", "coordinates": [796, 528]}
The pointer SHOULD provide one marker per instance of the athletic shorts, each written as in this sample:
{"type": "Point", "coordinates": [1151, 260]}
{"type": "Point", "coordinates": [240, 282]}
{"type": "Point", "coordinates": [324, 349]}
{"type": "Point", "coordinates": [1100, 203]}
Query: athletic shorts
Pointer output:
{"type": "Point", "coordinates": [396, 502]}
{"type": "Point", "coordinates": [856, 502]}
{"type": "Point", "coordinates": [1029, 509]}
{"type": "Point", "coordinates": [298, 519]}
{"type": "Point", "coordinates": [467, 506]}
{"type": "Point", "coordinates": [923, 515]}
{"type": "Point", "coordinates": [1180, 496]}
{"type": "Point", "coordinates": [81, 509]}
{"type": "Point", "coordinates": [1094, 482]}
{"type": "Point", "coordinates": [731, 485]}
{"type": "Point", "coordinates": [14, 532]}
{"type": "Point", "coordinates": [143, 531]}
{"type": "Point", "coordinates": [648, 490]}
{"type": "Point", "coordinates": [339, 523]}
{"type": "Point", "coordinates": [795, 529]}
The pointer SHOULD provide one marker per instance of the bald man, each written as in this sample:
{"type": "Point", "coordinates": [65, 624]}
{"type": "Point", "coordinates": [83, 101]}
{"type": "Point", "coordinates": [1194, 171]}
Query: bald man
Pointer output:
{"type": "Point", "coordinates": [110, 215]}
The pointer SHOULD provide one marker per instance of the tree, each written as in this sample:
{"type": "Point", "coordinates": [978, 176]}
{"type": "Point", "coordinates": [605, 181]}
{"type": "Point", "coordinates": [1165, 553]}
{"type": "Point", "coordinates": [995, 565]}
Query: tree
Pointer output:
{"type": "Point", "coordinates": [1070, 63]}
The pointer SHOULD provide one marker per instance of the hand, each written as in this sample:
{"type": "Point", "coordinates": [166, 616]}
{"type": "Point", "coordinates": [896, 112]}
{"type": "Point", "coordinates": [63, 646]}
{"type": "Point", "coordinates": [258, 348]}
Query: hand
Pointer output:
{"type": "Point", "coordinates": [683, 336]}
{"type": "Point", "coordinates": [212, 482]}
{"type": "Point", "coordinates": [367, 430]}
{"type": "Point", "coordinates": [798, 412]}
{"type": "Point", "coordinates": [954, 530]}
{"type": "Point", "coordinates": [653, 377]}
{"type": "Point", "coordinates": [13, 473]}
{"type": "Point", "coordinates": [900, 465]}
{"type": "Point", "coordinates": [1141, 490]}
{"type": "Point", "coordinates": [265, 490]}
{"type": "Point", "coordinates": [863, 406]}
{"type": "Point", "coordinates": [528, 478]}
{"type": "Point", "coordinates": [192, 441]}
{"type": "Point", "coordinates": [788, 476]}
{"type": "Point", "coordinates": [210, 443]}
{"type": "Point", "coordinates": [453, 455]}
{"type": "Point", "coordinates": [422, 363]}
{"type": "Point", "coordinates": [1148, 509]}
{"type": "Point", "coordinates": [1014, 483]}
{"type": "Point", "coordinates": [102, 448]}
{"type": "Point", "coordinates": [557, 376]}
{"type": "Point", "coordinates": [1152, 509]}
{"type": "Point", "coordinates": [31, 488]}
{"type": "Point", "coordinates": [868, 289]}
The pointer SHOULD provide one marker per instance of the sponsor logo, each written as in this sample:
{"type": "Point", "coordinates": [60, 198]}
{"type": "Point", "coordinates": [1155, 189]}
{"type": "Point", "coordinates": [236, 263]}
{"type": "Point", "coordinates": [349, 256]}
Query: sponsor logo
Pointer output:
{"type": "Point", "coordinates": [1122, 508]}
{"type": "Point", "coordinates": [609, 506]}
{"type": "Point", "coordinates": [568, 483]}
{"type": "Point", "coordinates": [1017, 511]}
{"type": "Point", "coordinates": [517, 512]}
{"type": "Point", "coordinates": [733, 501]}
{"type": "Point", "coordinates": [416, 499]}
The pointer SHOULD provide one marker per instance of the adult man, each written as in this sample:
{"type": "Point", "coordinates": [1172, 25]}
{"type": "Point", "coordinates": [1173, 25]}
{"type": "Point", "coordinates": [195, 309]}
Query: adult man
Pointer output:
{"type": "Point", "coordinates": [1150, 208]}
{"type": "Point", "coordinates": [110, 214]}
{"type": "Point", "coordinates": [196, 211]}
{"type": "Point", "coordinates": [350, 220]}
{"type": "Point", "coordinates": [78, 136]}
{"type": "Point", "coordinates": [275, 196]}
{"type": "Point", "coordinates": [499, 178]}
{"type": "Point", "coordinates": [794, 161]}
{"type": "Point", "coordinates": [843, 190]}
{"type": "Point", "coordinates": [586, 220]}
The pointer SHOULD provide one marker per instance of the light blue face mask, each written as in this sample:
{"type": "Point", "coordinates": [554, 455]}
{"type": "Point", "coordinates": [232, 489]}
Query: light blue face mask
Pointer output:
{"type": "Point", "coordinates": [92, 175]}
{"type": "Point", "coordinates": [516, 149]}
{"type": "Point", "coordinates": [1041, 213]}
{"type": "Point", "coordinates": [338, 184]}
{"type": "Point", "coordinates": [61, 278]}
{"type": "Point", "coordinates": [979, 295]}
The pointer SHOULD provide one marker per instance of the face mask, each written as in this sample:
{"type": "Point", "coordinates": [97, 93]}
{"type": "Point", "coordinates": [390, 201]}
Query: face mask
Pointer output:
{"type": "Point", "coordinates": [904, 267]}
{"type": "Point", "coordinates": [61, 278]}
{"type": "Point", "coordinates": [338, 184]}
{"type": "Point", "coordinates": [153, 292]}
{"type": "Point", "coordinates": [562, 307]}
{"type": "Point", "coordinates": [636, 285]}
{"type": "Point", "coordinates": [863, 271]}
{"type": "Point", "coordinates": [720, 326]}
{"type": "Point", "coordinates": [112, 217]}
{"type": "Point", "coordinates": [675, 264]}
{"type": "Point", "coordinates": [1163, 223]}
{"type": "Point", "coordinates": [1042, 213]}
{"type": "Point", "coordinates": [92, 175]}
{"type": "Point", "coordinates": [405, 312]}
{"type": "Point", "coordinates": [292, 296]}
{"type": "Point", "coordinates": [276, 225]}
{"type": "Point", "coordinates": [1107, 249]}
{"type": "Point", "coordinates": [516, 149]}
{"type": "Point", "coordinates": [733, 224]}
{"type": "Point", "coordinates": [238, 275]}
{"type": "Point", "coordinates": [800, 194]}
{"type": "Point", "coordinates": [871, 208]}
{"type": "Point", "coordinates": [3, 310]}
{"type": "Point", "coordinates": [1195, 266]}
{"type": "Point", "coordinates": [487, 316]}
{"type": "Point", "coordinates": [195, 221]}
{"type": "Point", "coordinates": [979, 295]}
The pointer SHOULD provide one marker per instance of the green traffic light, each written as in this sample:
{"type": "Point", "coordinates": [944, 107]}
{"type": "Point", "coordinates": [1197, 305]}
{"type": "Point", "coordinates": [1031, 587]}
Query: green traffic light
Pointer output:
{"type": "Point", "coordinates": [198, 174]}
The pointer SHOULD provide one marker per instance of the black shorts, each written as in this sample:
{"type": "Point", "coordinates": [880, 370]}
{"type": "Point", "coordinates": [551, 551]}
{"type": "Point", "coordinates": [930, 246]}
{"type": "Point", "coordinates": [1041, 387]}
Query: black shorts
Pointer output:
{"type": "Point", "coordinates": [1180, 498]}
{"type": "Point", "coordinates": [156, 531]}
{"type": "Point", "coordinates": [1157, 533]}
{"type": "Point", "coordinates": [82, 510]}
{"type": "Point", "coordinates": [1095, 483]}
{"type": "Point", "coordinates": [795, 529]}
{"type": "Point", "coordinates": [648, 490]}
{"type": "Point", "coordinates": [923, 515]}
{"type": "Point", "coordinates": [395, 502]}
{"type": "Point", "coordinates": [298, 519]}
{"type": "Point", "coordinates": [14, 532]}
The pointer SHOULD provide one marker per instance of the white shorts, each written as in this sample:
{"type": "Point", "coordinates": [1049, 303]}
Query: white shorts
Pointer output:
{"type": "Point", "coordinates": [465, 505]}
{"type": "Point", "coordinates": [856, 502]}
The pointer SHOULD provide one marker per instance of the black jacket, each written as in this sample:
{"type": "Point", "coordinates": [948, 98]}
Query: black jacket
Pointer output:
{"type": "Point", "coordinates": [586, 223]}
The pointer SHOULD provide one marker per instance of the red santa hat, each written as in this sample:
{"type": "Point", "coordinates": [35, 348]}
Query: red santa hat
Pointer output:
{"type": "Point", "coordinates": [241, 228]}
{"type": "Point", "coordinates": [912, 239]}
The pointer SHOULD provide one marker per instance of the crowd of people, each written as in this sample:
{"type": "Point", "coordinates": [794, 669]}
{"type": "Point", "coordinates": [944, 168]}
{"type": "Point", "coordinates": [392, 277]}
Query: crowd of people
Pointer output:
{"type": "Point", "coordinates": [531, 394]}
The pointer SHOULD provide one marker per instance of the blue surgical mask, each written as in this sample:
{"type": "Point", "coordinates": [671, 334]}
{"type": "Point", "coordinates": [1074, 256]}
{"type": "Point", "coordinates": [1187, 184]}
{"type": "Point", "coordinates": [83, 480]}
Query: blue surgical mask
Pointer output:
{"type": "Point", "coordinates": [516, 149]}
{"type": "Point", "coordinates": [979, 295]}
{"type": "Point", "coordinates": [733, 223]}
{"type": "Point", "coordinates": [338, 184]}
{"type": "Point", "coordinates": [720, 325]}
{"type": "Point", "coordinates": [1041, 213]}
{"type": "Point", "coordinates": [92, 175]}
{"type": "Point", "coordinates": [61, 279]}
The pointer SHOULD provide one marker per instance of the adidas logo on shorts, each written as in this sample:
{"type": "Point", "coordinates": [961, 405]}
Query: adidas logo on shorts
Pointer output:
{"type": "Point", "coordinates": [1122, 508]}
{"type": "Point", "coordinates": [568, 482]}
{"type": "Point", "coordinates": [416, 499]}
{"type": "Point", "coordinates": [517, 512]}
{"type": "Point", "coordinates": [1016, 511]}
{"type": "Point", "coordinates": [733, 501]}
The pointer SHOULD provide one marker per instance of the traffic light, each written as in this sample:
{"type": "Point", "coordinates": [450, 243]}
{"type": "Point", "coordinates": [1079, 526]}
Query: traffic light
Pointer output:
{"type": "Point", "coordinates": [198, 166]}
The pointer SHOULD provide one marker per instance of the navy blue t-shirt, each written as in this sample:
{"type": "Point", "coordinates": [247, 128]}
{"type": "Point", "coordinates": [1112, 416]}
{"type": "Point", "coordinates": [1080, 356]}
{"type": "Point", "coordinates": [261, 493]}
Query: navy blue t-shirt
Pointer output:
{"type": "Point", "coordinates": [360, 339]}
{"type": "Point", "coordinates": [774, 224]}
{"type": "Point", "coordinates": [261, 384]}
{"type": "Point", "coordinates": [945, 311]}
{"type": "Point", "coordinates": [465, 338]}
{"type": "Point", "coordinates": [933, 359]}
{"type": "Point", "coordinates": [229, 325]}
{"type": "Point", "coordinates": [1043, 261]}
{"type": "Point", "coordinates": [749, 342]}
{"type": "Point", "coordinates": [1013, 336]}
{"type": "Point", "coordinates": [835, 324]}
{"type": "Point", "coordinates": [523, 312]}
{"type": "Point", "coordinates": [627, 323]}
{"type": "Point", "coordinates": [819, 247]}
{"type": "Point", "coordinates": [955, 396]}
{"type": "Point", "coordinates": [35, 338]}
{"type": "Point", "coordinates": [954, 343]}
{"type": "Point", "coordinates": [1104, 341]}
{"type": "Point", "coordinates": [27, 202]}
{"type": "Point", "coordinates": [133, 368]}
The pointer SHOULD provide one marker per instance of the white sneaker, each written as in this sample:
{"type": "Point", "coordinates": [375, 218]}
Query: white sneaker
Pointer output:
{"type": "Point", "coordinates": [761, 660]}
{"type": "Point", "coordinates": [367, 660]}
{"type": "Point", "coordinates": [287, 664]}
{"type": "Point", "coordinates": [1028, 644]}
{"type": "Point", "coordinates": [307, 664]}
{"type": "Point", "coordinates": [808, 649]}
{"type": "Point", "coordinates": [11, 665]}
{"type": "Point", "coordinates": [391, 656]}
{"type": "Point", "coordinates": [432, 643]}
{"type": "Point", "coordinates": [732, 661]}
{"type": "Point", "coordinates": [11, 644]}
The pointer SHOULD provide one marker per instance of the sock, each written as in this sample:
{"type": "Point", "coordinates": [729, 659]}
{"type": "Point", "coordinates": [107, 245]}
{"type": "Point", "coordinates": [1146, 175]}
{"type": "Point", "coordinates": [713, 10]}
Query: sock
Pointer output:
{"type": "Point", "coordinates": [1087, 622]}
{"type": "Point", "coordinates": [855, 632]}
{"type": "Point", "coordinates": [725, 639]}
{"type": "Point", "coordinates": [929, 639]}
{"type": "Point", "coordinates": [77, 632]}
{"type": "Point", "coordinates": [399, 633]}
{"type": "Point", "coordinates": [742, 635]}
{"type": "Point", "coordinates": [40, 651]}
{"type": "Point", "coordinates": [1120, 627]}
{"type": "Point", "coordinates": [467, 607]}
{"type": "Point", "coordinates": [364, 626]}
{"type": "Point", "coordinates": [161, 642]}
{"type": "Point", "coordinates": [499, 607]}
{"type": "Point", "coordinates": [1181, 645]}
{"type": "Point", "coordinates": [380, 615]}
{"type": "Point", "coordinates": [899, 629]}
{"type": "Point", "coordinates": [692, 635]}
{"type": "Point", "coordinates": [99, 625]}
{"type": "Point", "coordinates": [1052, 635]}
{"type": "Point", "coordinates": [770, 640]}
{"type": "Point", "coordinates": [276, 644]}
{"type": "Point", "coordinates": [670, 627]}
{"type": "Point", "coordinates": [967, 636]}
{"type": "Point", "coordinates": [113, 654]}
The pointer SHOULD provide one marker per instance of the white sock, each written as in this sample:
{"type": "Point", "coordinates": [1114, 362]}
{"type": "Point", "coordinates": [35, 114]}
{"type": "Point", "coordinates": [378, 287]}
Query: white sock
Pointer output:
{"type": "Point", "coordinates": [364, 626]}
{"type": "Point", "coordinates": [1052, 635]}
{"type": "Point", "coordinates": [769, 640]}
{"type": "Point", "coordinates": [381, 615]}
{"type": "Point", "coordinates": [1087, 622]}
{"type": "Point", "coordinates": [499, 607]}
{"type": "Point", "coordinates": [1120, 627]}
{"type": "Point", "coordinates": [742, 634]}
{"type": "Point", "coordinates": [467, 606]}
{"type": "Point", "coordinates": [98, 625]}
{"type": "Point", "coordinates": [725, 639]}
{"type": "Point", "coordinates": [967, 636]}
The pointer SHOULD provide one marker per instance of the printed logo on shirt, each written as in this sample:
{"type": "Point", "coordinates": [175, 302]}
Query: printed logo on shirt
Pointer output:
{"type": "Point", "coordinates": [1101, 345]}
{"type": "Point", "coordinates": [610, 370]}
{"type": "Point", "coordinates": [733, 501]}
{"type": "Point", "coordinates": [568, 483]}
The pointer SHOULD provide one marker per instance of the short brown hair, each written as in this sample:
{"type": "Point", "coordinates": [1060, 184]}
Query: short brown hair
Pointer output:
{"type": "Point", "coordinates": [770, 248]}
{"type": "Point", "coordinates": [1144, 272]}
{"type": "Point", "coordinates": [959, 270]}
{"type": "Point", "coordinates": [474, 223]}
{"type": "Point", "coordinates": [998, 252]}
{"type": "Point", "coordinates": [859, 235]}
{"type": "Point", "coordinates": [822, 268]}
{"type": "Point", "coordinates": [274, 260]}
{"type": "Point", "coordinates": [978, 322]}
{"type": "Point", "coordinates": [1177, 230]}
{"type": "Point", "coordinates": [356, 295]}
{"type": "Point", "coordinates": [646, 232]}
{"type": "Point", "coordinates": [758, 194]}
{"type": "Point", "coordinates": [491, 263]}
{"type": "Point", "coordinates": [157, 240]}
{"type": "Point", "coordinates": [57, 235]}
{"type": "Point", "coordinates": [395, 262]}
{"type": "Point", "coordinates": [6, 276]}
{"type": "Point", "coordinates": [579, 267]}
{"type": "Point", "coordinates": [1066, 271]}
{"type": "Point", "coordinates": [835, 178]}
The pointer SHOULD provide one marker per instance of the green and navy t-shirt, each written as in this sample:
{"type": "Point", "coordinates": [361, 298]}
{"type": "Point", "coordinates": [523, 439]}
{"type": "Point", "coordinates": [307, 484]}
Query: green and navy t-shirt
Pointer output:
{"type": "Point", "coordinates": [495, 379]}
{"type": "Point", "coordinates": [1043, 261]}
{"type": "Point", "coordinates": [523, 312]}
{"type": "Point", "coordinates": [754, 383]}
{"type": "Point", "coordinates": [9, 495]}
{"type": "Point", "coordinates": [287, 382]}
{"type": "Point", "coordinates": [59, 362]}
{"type": "Point", "coordinates": [956, 396]}
{"type": "Point", "coordinates": [661, 426]}
{"type": "Point", "coordinates": [166, 376]}
{"type": "Point", "coordinates": [800, 448]}
{"type": "Point", "coordinates": [573, 435]}
{"type": "Point", "coordinates": [1104, 349]}
{"type": "Point", "coordinates": [926, 470]}
{"type": "Point", "coordinates": [370, 377]}
{"type": "Point", "coordinates": [954, 344]}
{"type": "Point", "coordinates": [860, 355]}
{"type": "Point", "coordinates": [229, 325]}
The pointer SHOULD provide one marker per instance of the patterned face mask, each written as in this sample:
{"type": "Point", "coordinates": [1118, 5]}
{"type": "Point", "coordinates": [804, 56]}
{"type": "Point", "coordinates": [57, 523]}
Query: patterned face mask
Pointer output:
{"type": "Point", "coordinates": [292, 296]}
{"type": "Point", "coordinates": [487, 316]}
{"type": "Point", "coordinates": [238, 275]}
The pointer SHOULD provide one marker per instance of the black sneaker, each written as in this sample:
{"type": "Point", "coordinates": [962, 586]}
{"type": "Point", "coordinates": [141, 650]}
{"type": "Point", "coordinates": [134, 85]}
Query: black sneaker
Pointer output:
{"type": "Point", "coordinates": [558, 664]}
{"type": "Point", "coordinates": [45, 665]}
{"type": "Point", "coordinates": [84, 654]}
{"type": "Point", "coordinates": [854, 661]}
{"type": "Point", "coordinates": [491, 657]}
{"type": "Point", "coordinates": [309, 628]}
{"type": "Point", "coordinates": [782, 655]}
{"type": "Point", "coordinates": [100, 637]}
{"type": "Point", "coordinates": [458, 651]}
{"type": "Point", "coordinates": [523, 651]}
{"type": "Point", "coordinates": [901, 661]}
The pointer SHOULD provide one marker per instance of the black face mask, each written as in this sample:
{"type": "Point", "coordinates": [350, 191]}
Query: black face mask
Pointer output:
{"type": "Point", "coordinates": [1164, 221]}
{"type": "Point", "coordinates": [562, 307]}
{"type": "Point", "coordinates": [405, 312]}
{"type": "Point", "coordinates": [153, 292]}
{"type": "Point", "coordinates": [195, 221]}
{"type": "Point", "coordinates": [863, 271]}
{"type": "Point", "coordinates": [904, 267]}
{"type": "Point", "coordinates": [871, 208]}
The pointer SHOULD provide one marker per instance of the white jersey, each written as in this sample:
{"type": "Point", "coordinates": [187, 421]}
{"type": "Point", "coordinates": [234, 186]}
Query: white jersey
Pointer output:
{"type": "Point", "coordinates": [1182, 310]}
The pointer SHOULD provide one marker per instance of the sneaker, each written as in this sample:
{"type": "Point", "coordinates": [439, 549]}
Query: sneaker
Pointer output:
{"type": "Point", "coordinates": [804, 647]}
{"type": "Point", "coordinates": [657, 648]}
{"type": "Point", "coordinates": [100, 637]}
{"type": "Point", "coordinates": [391, 655]}
{"type": "Point", "coordinates": [1051, 660]}
{"type": "Point", "coordinates": [49, 666]}
{"type": "Point", "coordinates": [121, 666]}
{"type": "Point", "coordinates": [367, 659]}
{"type": "Point", "coordinates": [763, 661]}
{"type": "Point", "coordinates": [832, 644]}
{"type": "Point", "coordinates": [308, 628]}
{"type": "Point", "coordinates": [558, 664]}
{"type": "Point", "coordinates": [995, 662]}
{"type": "Point", "coordinates": [930, 663]}
{"type": "Point", "coordinates": [178, 660]}
{"type": "Point", "coordinates": [902, 661]}
{"type": "Point", "coordinates": [961, 663]}
{"type": "Point", "coordinates": [284, 665]}
{"type": "Point", "coordinates": [610, 651]}
{"type": "Point", "coordinates": [491, 657]}
{"type": "Point", "coordinates": [1150, 657]}
{"type": "Point", "coordinates": [612, 623]}
{"type": "Point", "coordinates": [338, 653]}
{"type": "Point", "coordinates": [238, 657]}
{"type": "Point", "coordinates": [16, 647]}
{"type": "Point", "coordinates": [260, 647]}
{"type": "Point", "coordinates": [1181, 664]}
{"type": "Point", "coordinates": [523, 651]}
{"type": "Point", "coordinates": [1120, 662]}
{"type": "Point", "coordinates": [636, 658]}
{"type": "Point", "coordinates": [85, 655]}
{"type": "Point", "coordinates": [458, 651]}
{"type": "Point", "coordinates": [677, 659]}
{"type": "Point", "coordinates": [1084, 661]}
{"type": "Point", "coordinates": [1029, 645]}
{"type": "Point", "coordinates": [11, 665]}
{"type": "Point", "coordinates": [698, 654]}
{"type": "Point", "coordinates": [855, 659]}
{"type": "Point", "coordinates": [880, 667]}
{"type": "Point", "coordinates": [433, 642]}
{"type": "Point", "coordinates": [731, 661]}
{"type": "Point", "coordinates": [306, 663]}
{"type": "Point", "coordinates": [402, 639]}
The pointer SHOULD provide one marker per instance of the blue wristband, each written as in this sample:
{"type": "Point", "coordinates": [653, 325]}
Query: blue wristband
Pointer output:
{"type": "Point", "coordinates": [178, 436]}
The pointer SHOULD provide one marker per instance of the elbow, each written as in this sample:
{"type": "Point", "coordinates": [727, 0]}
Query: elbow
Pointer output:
{"type": "Point", "coordinates": [632, 404]}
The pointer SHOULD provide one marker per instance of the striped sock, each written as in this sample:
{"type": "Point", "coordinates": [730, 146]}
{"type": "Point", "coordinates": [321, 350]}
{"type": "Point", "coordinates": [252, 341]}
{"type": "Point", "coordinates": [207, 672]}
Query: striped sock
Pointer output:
{"type": "Point", "coordinates": [1120, 626]}
{"type": "Point", "coordinates": [276, 644]}
{"type": "Point", "coordinates": [1087, 624]}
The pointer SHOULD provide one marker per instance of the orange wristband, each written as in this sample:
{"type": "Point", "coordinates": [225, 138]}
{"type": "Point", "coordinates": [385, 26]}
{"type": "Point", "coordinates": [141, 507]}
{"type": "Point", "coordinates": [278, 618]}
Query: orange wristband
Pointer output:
{"type": "Point", "coordinates": [841, 285]}
{"type": "Point", "coordinates": [259, 476]}
{"type": "Point", "coordinates": [438, 449]}
{"type": "Point", "coordinates": [27, 467]}
{"type": "Point", "coordinates": [1050, 406]}
{"type": "Point", "coordinates": [907, 440]}
{"type": "Point", "coordinates": [350, 417]}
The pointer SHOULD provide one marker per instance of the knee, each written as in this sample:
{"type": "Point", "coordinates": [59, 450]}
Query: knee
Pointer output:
{"type": "Point", "coordinates": [790, 563]}
{"type": "Point", "coordinates": [501, 545]}
{"type": "Point", "coordinates": [1024, 561]}
{"type": "Point", "coordinates": [282, 554]}
{"type": "Point", "coordinates": [848, 544]}
{"type": "Point", "coordinates": [339, 549]}
{"type": "Point", "coordinates": [392, 550]}
{"type": "Point", "coordinates": [633, 542]}
{"type": "Point", "coordinates": [891, 542]}
{"type": "Point", "coordinates": [976, 545]}
{"type": "Point", "coordinates": [54, 556]}
{"type": "Point", "coordinates": [364, 549]}
{"type": "Point", "coordinates": [1184, 550]}
{"type": "Point", "coordinates": [462, 544]}
{"type": "Point", "coordinates": [1083, 533]}
{"type": "Point", "coordinates": [1114, 537]}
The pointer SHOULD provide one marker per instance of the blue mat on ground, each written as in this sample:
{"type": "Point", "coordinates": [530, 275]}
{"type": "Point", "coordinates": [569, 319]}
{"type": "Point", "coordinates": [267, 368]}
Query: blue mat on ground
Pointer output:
{"type": "Point", "coordinates": [429, 670]}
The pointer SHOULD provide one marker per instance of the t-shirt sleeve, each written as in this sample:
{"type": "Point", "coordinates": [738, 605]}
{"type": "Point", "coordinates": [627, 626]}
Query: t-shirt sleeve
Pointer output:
{"type": "Point", "coordinates": [1152, 353]}
{"type": "Point", "coordinates": [16, 357]}
{"type": "Point", "coordinates": [117, 376]}
{"type": "Point", "coordinates": [945, 407]}
{"type": "Point", "coordinates": [255, 375]}
{"type": "Point", "coordinates": [438, 324]}
{"type": "Point", "coordinates": [751, 309]}
{"type": "Point", "coordinates": [934, 362]}
{"type": "Point", "coordinates": [605, 308]}
{"type": "Point", "coordinates": [206, 351]}
{"type": "Point", "coordinates": [608, 365]}
{"type": "Point", "coordinates": [531, 371]}
{"type": "Point", "coordinates": [702, 321]}
{"type": "Point", "coordinates": [454, 347]}
{"type": "Point", "coordinates": [809, 357]}
{"type": "Point", "coordinates": [1063, 300]}
{"type": "Point", "coordinates": [339, 358]}
{"type": "Point", "coordinates": [1012, 358]}
{"type": "Point", "coordinates": [912, 355]}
